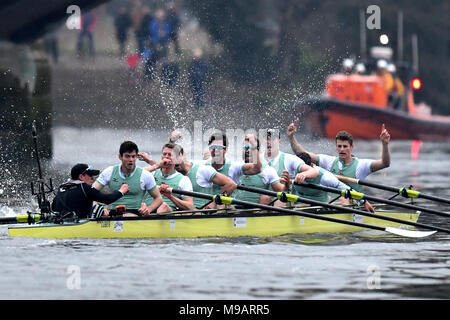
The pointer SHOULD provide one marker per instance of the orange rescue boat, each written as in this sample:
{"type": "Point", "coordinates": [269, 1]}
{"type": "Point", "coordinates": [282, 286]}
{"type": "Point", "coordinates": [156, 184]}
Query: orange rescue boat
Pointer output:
{"type": "Point", "coordinates": [360, 104]}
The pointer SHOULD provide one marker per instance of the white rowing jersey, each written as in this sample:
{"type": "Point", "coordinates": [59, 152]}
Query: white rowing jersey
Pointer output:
{"type": "Point", "coordinates": [231, 169]}
{"type": "Point", "coordinates": [362, 169]}
{"type": "Point", "coordinates": [147, 181]}
{"type": "Point", "coordinates": [285, 161]}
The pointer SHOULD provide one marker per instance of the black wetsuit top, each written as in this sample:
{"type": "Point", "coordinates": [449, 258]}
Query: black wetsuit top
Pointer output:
{"type": "Point", "coordinates": [78, 197]}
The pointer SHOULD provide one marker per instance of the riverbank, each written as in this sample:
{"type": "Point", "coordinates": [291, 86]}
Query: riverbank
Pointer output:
{"type": "Point", "coordinates": [104, 93]}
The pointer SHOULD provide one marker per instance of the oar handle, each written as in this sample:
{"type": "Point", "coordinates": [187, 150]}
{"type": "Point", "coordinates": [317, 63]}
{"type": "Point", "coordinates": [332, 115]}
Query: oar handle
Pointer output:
{"type": "Point", "coordinates": [347, 179]}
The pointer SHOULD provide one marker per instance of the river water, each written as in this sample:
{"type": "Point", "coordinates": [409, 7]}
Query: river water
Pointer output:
{"type": "Point", "coordinates": [364, 265]}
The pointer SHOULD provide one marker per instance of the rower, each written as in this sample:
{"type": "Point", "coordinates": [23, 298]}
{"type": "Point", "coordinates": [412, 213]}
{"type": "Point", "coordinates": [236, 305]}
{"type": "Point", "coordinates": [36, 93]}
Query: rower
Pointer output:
{"type": "Point", "coordinates": [266, 179]}
{"type": "Point", "coordinates": [166, 176]}
{"type": "Point", "coordinates": [139, 180]}
{"type": "Point", "coordinates": [204, 178]}
{"type": "Point", "coordinates": [325, 178]}
{"type": "Point", "coordinates": [217, 145]}
{"type": "Point", "coordinates": [285, 163]}
{"type": "Point", "coordinates": [345, 164]}
{"type": "Point", "coordinates": [77, 194]}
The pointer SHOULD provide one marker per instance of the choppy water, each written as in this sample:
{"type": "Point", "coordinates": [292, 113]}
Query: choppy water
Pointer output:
{"type": "Point", "coordinates": [358, 266]}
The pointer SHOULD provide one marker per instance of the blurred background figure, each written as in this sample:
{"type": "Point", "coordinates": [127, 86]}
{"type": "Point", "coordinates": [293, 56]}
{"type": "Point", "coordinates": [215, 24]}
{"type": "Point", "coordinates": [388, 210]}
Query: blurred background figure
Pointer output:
{"type": "Point", "coordinates": [137, 13]}
{"type": "Point", "coordinates": [150, 57]}
{"type": "Point", "coordinates": [122, 23]}
{"type": "Point", "coordinates": [174, 22]}
{"type": "Point", "coordinates": [144, 28]}
{"type": "Point", "coordinates": [396, 96]}
{"type": "Point", "coordinates": [170, 70]}
{"type": "Point", "coordinates": [132, 63]}
{"type": "Point", "coordinates": [51, 45]}
{"type": "Point", "coordinates": [347, 66]}
{"type": "Point", "coordinates": [197, 77]}
{"type": "Point", "coordinates": [88, 22]}
{"type": "Point", "coordinates": [387, 77]}
{"type": "Point", "coordinates": [159, 32]}
{"type": "Point", "coordinates": [360, 68]}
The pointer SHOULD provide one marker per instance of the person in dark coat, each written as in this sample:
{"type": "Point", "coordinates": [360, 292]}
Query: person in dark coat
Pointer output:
{"type": "Point", "coordinates": [174, 22]}
{"type": "Point", "coordinates": [88, 23]}
{"type": "Point", "coordinates": [77, 194]}
{"type": "Point", "coordinates": [197, 77]}
{"type": "Point", "coordinates": [159, 30]}
{"type": "Point", "coordinates": [170, 71]}
{"type": "Point", "coordinates": [122, 22]}
{"type": "Point", "coordinates": [143, 33]}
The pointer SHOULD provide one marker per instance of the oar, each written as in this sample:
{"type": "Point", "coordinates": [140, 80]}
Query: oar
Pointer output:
{"type": "Point", "coordinates": [24, 218]}
{"type": "Point", "coordinates": [295, 198]}
{"type": "Point", "coordinates": [227, 200]}
{"type": "Point", "coordinates": [352, 194]}
{"type": "Point", "coordinates": [404, 192]}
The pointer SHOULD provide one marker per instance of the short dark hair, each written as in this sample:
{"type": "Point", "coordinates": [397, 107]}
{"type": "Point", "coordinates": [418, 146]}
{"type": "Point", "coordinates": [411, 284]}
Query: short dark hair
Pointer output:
{"type": "Point", "coordinates": [305, 157]}
{"type": "Point", "coordinates": [344, 136]}
{"type": "Point", "coordinates": [273, 133]}
{"type": "Point", "coordinates": [128, 146]}
{"type": "Point", "coordinates": [174, 146]}
{"type": "Point", "coordinates": [219, 135]}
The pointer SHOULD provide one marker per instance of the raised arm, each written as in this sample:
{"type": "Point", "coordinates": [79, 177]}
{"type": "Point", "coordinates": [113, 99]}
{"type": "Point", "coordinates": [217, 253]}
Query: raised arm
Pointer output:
{"type": "Point", "coordinates": [174, 136]}
{"type": "Point", "coordinates": [385, 160]}
{"type": "Point", "coordinates": [144, 156]}
{"type": "Point", "coordinates": [297, 147]}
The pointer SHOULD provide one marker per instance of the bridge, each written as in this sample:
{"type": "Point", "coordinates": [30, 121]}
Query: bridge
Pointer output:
{"type": "Point", "coordinates": [26, 20]}
{"type": "Point", "coordinates": [25, 75]}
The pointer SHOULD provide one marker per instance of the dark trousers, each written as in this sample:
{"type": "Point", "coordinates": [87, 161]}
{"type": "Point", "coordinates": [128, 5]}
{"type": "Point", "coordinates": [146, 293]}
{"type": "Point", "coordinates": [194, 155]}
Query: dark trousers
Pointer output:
{"type": "Point", "coordinates": [80, 43]}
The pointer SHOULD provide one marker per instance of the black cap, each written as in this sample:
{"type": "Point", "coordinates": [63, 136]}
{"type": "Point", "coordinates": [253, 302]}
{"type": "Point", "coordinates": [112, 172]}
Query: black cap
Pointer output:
{"type": "Point", "coordinates": [82, 168]}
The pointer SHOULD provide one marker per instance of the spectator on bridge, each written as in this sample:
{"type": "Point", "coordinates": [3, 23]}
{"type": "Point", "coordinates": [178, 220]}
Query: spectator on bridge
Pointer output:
{"type": "Point", "coordinates": [122, 22]}
{"type": "Point", "coordinates": [159, 30]}
{"type": "Point", "coordinates": [197, 77]}
{"type": "Point", "coordinates": [88, 22]}
{"type": "Point", "coordinates": [174, 22]}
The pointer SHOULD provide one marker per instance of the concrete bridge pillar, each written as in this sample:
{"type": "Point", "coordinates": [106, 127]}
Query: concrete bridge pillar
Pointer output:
{"type": "Point", "coordinates": [25, 96]}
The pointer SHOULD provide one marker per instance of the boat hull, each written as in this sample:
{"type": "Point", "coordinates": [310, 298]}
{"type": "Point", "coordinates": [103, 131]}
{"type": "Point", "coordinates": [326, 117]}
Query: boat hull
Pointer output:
{"type": "Point", "coordinates": [324, 117]}
{"type": "Point", "coordinates": [204, 226]}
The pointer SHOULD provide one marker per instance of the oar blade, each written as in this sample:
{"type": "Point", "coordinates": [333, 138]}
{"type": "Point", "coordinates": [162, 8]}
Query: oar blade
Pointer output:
{"type": "Point", "coordinates": [409, 233]}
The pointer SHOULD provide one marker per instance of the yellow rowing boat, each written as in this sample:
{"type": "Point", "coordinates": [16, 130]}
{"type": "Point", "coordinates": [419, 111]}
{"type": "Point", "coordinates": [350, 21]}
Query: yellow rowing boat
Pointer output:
{"type": "Point", "coordinates": [195, 224]}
